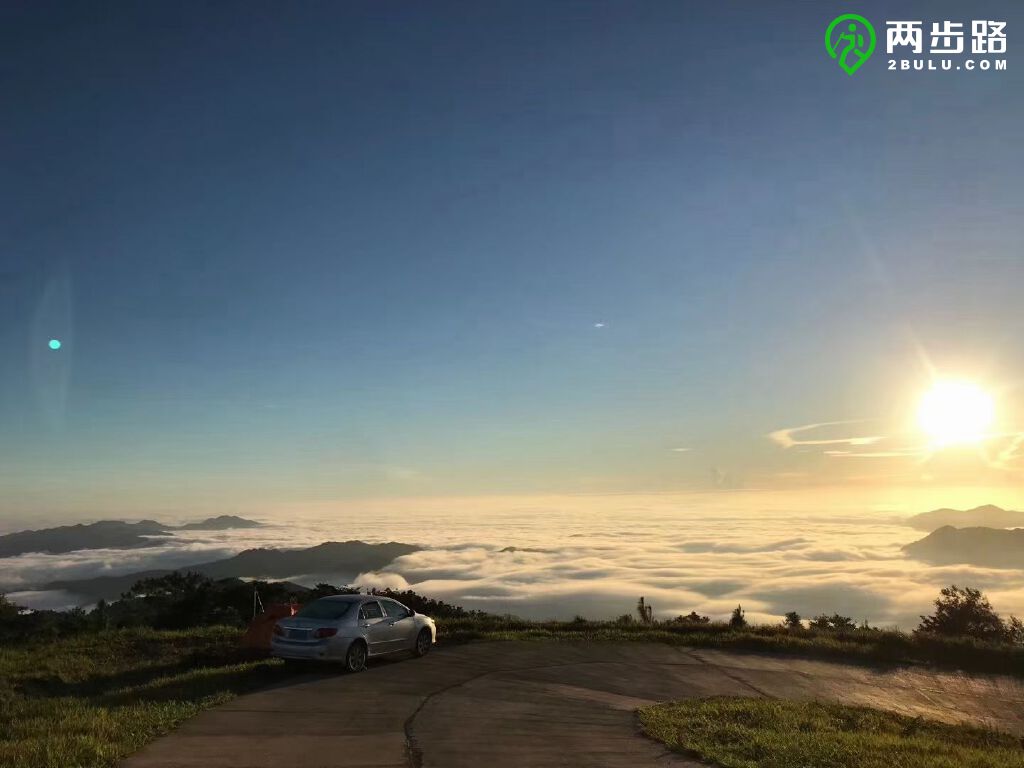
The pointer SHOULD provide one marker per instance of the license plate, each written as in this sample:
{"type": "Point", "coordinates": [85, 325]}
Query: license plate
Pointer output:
{"type": "Point", "coordinates": [298, 634]}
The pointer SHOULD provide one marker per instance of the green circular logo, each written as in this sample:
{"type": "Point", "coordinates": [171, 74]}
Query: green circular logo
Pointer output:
{"type": "Point", "coordinates": [850, 39]}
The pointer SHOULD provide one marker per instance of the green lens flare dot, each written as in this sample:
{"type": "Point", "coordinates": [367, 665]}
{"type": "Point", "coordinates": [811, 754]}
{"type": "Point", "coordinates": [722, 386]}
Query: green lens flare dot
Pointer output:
{"type": "Point", "coordinates": [54, 344]}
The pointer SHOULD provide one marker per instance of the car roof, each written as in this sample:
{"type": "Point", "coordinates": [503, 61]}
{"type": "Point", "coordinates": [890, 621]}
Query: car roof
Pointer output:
{"type": "Point", "coordinates": [347, 598]}
{"type": "Point", "coordinates": [356, 598]}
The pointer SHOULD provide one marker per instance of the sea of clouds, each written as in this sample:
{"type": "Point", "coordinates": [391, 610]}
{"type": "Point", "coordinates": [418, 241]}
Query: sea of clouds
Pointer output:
{"type": "Point", "coordinates": [593, 557]}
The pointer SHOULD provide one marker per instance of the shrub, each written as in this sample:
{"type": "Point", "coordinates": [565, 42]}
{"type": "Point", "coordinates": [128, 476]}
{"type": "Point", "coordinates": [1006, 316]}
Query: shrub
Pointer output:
{"type": "Point", "coordinates": [834, 623]}
{"type": "Point", "coordinates": [793, 620]}
{"type": "Point", "coordinates": [691, 618]}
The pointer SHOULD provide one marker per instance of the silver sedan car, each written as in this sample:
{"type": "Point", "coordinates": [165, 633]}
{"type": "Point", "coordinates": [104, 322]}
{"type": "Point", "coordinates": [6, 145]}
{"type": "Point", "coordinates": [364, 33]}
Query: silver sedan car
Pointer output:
{"type": "Point", "coordinates": [351, 629]}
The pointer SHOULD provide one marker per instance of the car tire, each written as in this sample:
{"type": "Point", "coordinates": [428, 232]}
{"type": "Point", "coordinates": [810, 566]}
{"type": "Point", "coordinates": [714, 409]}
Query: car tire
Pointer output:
{"type": "Point", "coordinates": [355, 657]}
{"type": "Point", "coordinates": [423, 643]}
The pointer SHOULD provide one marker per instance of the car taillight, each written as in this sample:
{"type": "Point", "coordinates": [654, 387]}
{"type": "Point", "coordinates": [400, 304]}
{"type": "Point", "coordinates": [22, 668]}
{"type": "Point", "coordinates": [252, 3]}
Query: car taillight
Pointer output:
{"type": "Point", "coordinates": [278, 630]}
{"type": "Point", "coordinates": [325, 632]}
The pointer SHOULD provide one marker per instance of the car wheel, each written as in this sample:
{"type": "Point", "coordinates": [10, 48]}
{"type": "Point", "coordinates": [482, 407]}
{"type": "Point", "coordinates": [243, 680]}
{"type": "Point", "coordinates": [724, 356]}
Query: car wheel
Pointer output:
{"type": "Point", "coordinates": [423, 643]}
{"type": "Point", "coordinates": [355, 659]}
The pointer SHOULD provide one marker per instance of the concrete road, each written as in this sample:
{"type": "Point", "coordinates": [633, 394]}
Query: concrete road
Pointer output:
{"type": "Point", "coordinates": [537, 705]}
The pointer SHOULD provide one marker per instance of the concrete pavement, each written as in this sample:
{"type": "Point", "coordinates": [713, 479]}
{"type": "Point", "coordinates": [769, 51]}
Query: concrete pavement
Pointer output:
{"type": "Point", "coordinates": [538, 705]}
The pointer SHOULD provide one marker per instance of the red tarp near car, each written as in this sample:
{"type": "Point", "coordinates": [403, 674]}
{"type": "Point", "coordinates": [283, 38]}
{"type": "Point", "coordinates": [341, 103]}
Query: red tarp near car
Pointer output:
{"type": "Point", "coordinates": [261, 629]}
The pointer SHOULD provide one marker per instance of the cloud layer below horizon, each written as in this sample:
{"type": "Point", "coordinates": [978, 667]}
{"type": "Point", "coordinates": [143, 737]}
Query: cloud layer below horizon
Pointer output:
{"type": "Point", "coordinates": [596, 559]}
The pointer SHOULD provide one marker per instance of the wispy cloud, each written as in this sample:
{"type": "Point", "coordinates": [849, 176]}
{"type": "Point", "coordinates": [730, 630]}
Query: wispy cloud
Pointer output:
{"type": "Point", "coordinates": [1012, 453]}
{"type": "Point", "coordinates": [792, 436]}
{"type": "Point", "coordinates": [876, 454]}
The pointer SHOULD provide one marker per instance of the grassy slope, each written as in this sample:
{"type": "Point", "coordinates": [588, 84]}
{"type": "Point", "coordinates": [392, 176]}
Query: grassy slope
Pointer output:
{"type": "Point", "coordinates": [765, 733]}
{"type": "Point", "coordinates": [91, 699]}
{"type": "Point", "coordinates": [854, 646]}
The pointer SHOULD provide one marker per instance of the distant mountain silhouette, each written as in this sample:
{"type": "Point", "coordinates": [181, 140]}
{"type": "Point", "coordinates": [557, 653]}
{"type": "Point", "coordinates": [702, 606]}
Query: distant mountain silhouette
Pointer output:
{"type": "Point", "coordinates": [108, 534]}
{"type": "Point", "coordinates": [987, 516]}
{"type": "Point", "coordinates": [345, 560]}
{"type": "Point", "coordinates": [992, 547]}
{"type": "Point", "coordinates": [222, 523]}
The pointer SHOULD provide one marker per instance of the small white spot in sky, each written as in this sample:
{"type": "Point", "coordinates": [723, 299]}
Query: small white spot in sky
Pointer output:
{"type": "Point", "coordinates": [599, 325]}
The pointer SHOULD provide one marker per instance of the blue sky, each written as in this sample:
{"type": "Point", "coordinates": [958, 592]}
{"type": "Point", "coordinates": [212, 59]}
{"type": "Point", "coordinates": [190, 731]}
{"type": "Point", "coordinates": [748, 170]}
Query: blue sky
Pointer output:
{"type": "Point", "coordinates": [337, 249]}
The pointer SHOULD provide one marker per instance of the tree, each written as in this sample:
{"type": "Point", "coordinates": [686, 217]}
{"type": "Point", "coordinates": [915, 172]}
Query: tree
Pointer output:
{"type": "Point", "coordinates": [964, 612]}
{"type": "Point", "coordinates": [793, 621]}
{"type": "Point", "coordinates": [101, 615]}
{"type": "Point", "coordinates": [738, 619]}
{"type": "Point", "coordinates": [1015, 631]}
{"type": "Point", "coordinates": [173, 601]}
{"type": "Point", "coordinates": [645, 611]}
{"type": "Point", "coordinates": [8, 610]}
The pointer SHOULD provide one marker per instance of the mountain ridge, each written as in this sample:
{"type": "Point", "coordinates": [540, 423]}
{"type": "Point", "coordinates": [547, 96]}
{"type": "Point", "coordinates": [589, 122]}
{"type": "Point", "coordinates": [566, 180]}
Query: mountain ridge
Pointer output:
{"type": "Point", "coordinates": [344, 559]}
{"type": "Point", "coordinates": [992, 547]}
{"type": "Point", "coordinates": [985, 516]}
{"type": "Point", "coordinates": [109, 534]}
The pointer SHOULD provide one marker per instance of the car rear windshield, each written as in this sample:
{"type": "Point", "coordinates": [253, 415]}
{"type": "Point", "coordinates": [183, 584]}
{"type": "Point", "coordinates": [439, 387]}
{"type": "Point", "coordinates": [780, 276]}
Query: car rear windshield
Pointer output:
{"type": "Point", "coordinates": [325, 609]}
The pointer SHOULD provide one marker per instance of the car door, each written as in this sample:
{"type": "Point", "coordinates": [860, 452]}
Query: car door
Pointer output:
{"type": "Point", "coordinates": [374, 627]}
{"type": "Point", "coordinates": [401, 624]}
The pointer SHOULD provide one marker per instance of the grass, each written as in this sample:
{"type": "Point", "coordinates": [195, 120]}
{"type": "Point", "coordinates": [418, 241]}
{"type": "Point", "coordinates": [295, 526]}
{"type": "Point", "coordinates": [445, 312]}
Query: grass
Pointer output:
{"type": "Point", "coordinates": [91, 699]}
{"type": "Point", "coordinates": [766, 733]}
{"type": "Point", "coordinates": [863, 646]}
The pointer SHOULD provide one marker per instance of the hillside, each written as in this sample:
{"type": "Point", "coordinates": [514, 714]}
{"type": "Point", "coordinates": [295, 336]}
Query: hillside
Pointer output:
{"type": "Point", "coordinates": [343, 560]}
{"type": "Point", "coordinates": [987, 516]}
{"type": "Point", "coordinates": [992, 547]}
{"type": "Point", "coordinates": [108, 534]}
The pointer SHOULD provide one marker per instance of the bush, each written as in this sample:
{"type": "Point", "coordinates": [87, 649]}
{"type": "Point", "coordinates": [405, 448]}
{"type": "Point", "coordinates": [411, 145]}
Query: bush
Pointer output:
{"type": "Point", "coordinates": [793, 620]}
{"type": "Point", "coordinates": [834, 623]}
{"type": "Point", "coordinates": [692, 618]}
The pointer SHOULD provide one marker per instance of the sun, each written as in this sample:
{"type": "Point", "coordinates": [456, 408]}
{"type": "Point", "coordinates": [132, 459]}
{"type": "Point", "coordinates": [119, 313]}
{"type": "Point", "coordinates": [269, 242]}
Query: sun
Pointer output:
{"type": "Point", "coordinates": [955, 413]}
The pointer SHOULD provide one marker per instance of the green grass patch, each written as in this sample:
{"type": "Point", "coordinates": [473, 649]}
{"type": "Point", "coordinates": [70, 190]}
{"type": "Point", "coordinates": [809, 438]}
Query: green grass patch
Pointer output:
{"type": "Point", "coordinates": [766, 733]}
{"type": "Point", "coordinates": [91, 699]}
{"type": "Point", "coordinates": [857, 645]}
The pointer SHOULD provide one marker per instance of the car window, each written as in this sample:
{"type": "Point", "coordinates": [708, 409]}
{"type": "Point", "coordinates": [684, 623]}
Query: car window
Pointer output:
{"type": "Point", "coordinates": [370, 611]}
{"type": "Point", "coordinates": [325, 609]}
{"type": "Point", "coordinates": [395, 610]}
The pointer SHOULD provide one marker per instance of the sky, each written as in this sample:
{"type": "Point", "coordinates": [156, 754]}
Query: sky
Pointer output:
{"type": "Point", "coordinates": [327, 251]}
